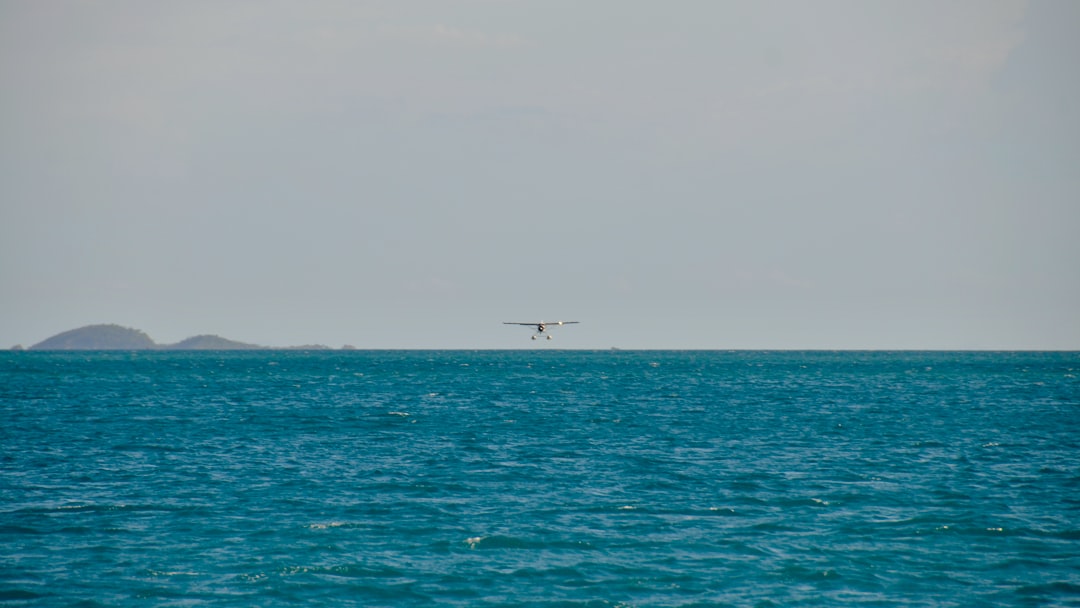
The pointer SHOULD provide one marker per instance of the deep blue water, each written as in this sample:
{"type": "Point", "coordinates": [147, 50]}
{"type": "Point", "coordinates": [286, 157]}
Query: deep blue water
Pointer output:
{"type": "Point", "coordinates": [560, 478]}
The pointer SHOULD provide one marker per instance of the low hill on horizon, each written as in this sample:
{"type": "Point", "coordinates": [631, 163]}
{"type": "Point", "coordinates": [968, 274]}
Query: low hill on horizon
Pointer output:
{"type": "Point", "coordinates": [117, 337]}
{"type": "Point", "coordinates": [210, 342]}
{"type": "Point", "coordinates": [98, 337]}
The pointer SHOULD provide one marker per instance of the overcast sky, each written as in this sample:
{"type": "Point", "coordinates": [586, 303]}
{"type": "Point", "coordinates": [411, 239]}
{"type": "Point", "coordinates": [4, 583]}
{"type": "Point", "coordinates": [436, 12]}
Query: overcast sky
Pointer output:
{"type": "Point", "coordinates": [409, 174]}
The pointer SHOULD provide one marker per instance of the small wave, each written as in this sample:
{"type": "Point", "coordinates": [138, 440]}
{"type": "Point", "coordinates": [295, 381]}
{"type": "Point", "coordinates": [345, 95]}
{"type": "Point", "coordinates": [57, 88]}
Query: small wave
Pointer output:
{"type": "Point", "coordinates": [342, 570]}
{"type": "Point", "coordinates": [19, 530]}
{"type": "Point", "coordinates": [500, 541]}
{"type": "Point", "coordinates": [147, 447]}
{"type": "Point", "coordinates": [565, 573]}
{"type": "Point", "coordinates": [332, 524]}
{"type": "Point", "coordinates": [802, 573]}
{"type": "Point", "coordinates": [100, 508]}
{"type": "Point", "coordinates": [14, 595]}
{"type": "Point", "coordinates": [1056, 588]}
{"type": "Point", "coordinates": [1065, 534]}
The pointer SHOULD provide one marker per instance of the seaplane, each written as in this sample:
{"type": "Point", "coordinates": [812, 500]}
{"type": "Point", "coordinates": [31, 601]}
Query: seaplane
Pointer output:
{"type": "Point", "coordinates": [541, 327]}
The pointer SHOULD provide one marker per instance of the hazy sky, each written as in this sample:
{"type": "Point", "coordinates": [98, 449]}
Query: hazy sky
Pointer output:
{"type": "Point", "coordinates": [409, 174]}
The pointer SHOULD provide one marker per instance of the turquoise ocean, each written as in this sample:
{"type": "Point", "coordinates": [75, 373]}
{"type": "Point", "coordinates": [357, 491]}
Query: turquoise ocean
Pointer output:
{"type": "Point", "coordinates": [540, 478]}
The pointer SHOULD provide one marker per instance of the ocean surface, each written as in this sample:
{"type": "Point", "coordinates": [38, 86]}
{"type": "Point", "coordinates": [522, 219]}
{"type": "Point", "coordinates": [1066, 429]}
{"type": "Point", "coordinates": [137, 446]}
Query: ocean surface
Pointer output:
{"type": "Point", "coordinates": [540, 478]}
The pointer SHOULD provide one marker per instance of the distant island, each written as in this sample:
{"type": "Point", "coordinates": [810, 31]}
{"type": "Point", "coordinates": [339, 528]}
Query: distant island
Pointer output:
{"type": "Point", "coordinates": [116, 337]}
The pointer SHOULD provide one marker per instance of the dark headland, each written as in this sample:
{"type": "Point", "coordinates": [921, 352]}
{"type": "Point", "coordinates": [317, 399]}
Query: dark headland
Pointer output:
{"type": "Point", "coordinates": [116, 337]}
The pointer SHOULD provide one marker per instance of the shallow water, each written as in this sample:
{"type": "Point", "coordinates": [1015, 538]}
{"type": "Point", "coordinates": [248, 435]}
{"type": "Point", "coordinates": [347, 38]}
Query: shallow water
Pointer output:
{"type": "Point", "coordinates": [563, 478]}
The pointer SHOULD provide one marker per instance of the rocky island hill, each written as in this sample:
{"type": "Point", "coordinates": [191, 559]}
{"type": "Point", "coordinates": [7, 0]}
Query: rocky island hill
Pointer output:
{"type": "Point", "coordinates": [116, 337]}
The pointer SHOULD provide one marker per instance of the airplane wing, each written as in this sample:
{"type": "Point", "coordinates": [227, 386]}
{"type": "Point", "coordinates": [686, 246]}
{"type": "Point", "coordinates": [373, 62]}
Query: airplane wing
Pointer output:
{"type": "Point", "coordinates": [535, 323]}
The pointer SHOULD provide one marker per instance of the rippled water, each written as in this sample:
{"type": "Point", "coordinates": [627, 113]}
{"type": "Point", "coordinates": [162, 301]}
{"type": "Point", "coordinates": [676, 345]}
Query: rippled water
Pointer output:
{"type": "Point", "coordinates": [560, 478]}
